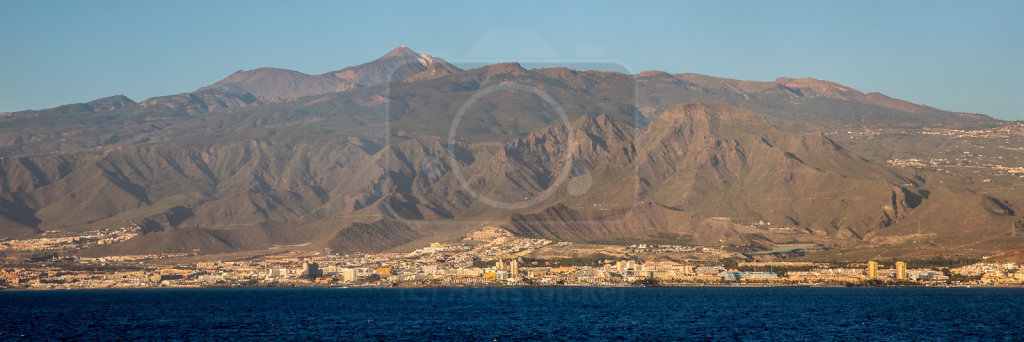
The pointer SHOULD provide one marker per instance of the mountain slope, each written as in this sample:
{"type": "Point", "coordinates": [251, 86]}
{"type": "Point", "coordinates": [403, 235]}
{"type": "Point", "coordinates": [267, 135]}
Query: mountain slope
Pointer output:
{"type": "Point", "coordinates": [272, 84]}
{"type": "Point", "coordinates": [699, 161]}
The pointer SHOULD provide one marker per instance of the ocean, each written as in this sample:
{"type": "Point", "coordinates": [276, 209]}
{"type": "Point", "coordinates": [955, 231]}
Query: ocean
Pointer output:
{"type": "Point", "coordinates": [511, 314]}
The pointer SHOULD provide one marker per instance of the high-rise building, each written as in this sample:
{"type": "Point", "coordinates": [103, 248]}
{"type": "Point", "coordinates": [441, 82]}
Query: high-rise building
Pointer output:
{"type": "Point", "coordinates": [901, 270]}
{"type": "Point", "coordinates": [348, 274]}
{"type": "Point", "coordinates": [514, 268]}
{"type": "Point", "coordinates": [872, 270]}
{"type": "Point", "coordinates": [311, 270]}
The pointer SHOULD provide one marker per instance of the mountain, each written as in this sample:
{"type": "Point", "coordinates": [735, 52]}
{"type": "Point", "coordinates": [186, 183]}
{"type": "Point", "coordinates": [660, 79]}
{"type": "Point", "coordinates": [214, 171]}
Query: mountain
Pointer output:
{"type": "Point", "coordinates": [400, 65]}
{"type": "Point", "coordinates": [106, 104]}
{"type": "Point", "coordinates": [199, 102]}
{"type": "Point", "coordinates": [351, 161]}
{"type": "Point", "coordinates": [268, 85]}
{"type": "Point", "coordinates": [804, 104]}
{"type": "Point", "coordinates": [271, 84]}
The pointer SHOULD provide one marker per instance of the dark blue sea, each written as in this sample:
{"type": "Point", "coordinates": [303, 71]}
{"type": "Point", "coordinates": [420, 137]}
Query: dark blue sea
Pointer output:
{"type": "Point", "coordinates": [508, 314]}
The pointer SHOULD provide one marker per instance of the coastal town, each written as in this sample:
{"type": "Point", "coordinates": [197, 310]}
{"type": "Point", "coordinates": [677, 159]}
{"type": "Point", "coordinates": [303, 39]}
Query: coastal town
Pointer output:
{"type": "Point", "coordinates": [490, 256]}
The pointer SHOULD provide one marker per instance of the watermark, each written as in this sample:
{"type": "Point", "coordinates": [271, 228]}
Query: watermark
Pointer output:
{"type": "Point", "coordinates": [499, 139]}
{"type": "Point", "coordinates": [564, 170]}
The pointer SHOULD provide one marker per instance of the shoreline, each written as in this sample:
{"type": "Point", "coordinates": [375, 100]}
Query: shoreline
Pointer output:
{"type": "Point", "coordinates": [958, 286]}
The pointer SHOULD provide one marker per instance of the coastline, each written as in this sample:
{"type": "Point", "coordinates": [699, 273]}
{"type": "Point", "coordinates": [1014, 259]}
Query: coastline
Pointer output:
{"type": "Point", "coordinates": [500, 286]}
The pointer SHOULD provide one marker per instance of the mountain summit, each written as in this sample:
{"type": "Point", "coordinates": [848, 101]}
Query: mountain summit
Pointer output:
{"type": "Point", "coordinates": [399, 65]}
{"type": "Point", "coordinates": [401, 51]}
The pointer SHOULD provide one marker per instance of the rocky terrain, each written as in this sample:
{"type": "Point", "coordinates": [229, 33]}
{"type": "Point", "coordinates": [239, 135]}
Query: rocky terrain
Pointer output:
{"type": "Point", "coordinates": [370, 158]}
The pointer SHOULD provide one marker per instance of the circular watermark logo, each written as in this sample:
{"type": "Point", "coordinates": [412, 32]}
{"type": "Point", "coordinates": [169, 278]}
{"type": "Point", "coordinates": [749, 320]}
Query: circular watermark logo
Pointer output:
{"type": "Point", "coordinates": [563, 173]}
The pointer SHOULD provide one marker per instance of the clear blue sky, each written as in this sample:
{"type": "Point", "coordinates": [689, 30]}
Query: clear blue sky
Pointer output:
{"type": "Point", "coordinates": [952, 55]}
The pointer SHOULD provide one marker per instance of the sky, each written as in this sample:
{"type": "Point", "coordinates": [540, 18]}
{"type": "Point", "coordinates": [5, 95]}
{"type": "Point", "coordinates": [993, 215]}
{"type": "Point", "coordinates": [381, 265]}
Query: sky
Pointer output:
{"type": "Point", "coordinates": [958, 56]}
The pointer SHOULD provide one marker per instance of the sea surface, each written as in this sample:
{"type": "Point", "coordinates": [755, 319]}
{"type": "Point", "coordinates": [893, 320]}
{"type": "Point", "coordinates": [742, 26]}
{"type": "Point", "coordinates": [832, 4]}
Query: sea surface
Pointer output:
{"type": "Point", "coordinates": [504, 314]}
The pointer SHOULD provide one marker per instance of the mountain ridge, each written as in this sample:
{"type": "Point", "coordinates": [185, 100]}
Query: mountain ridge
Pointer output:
{"type": "Point", "coordinates": [274, 85]}
{"type": "Point", "coordinates": [271, 85]}
{"type": "Point", "coordinates": [370, 166]}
